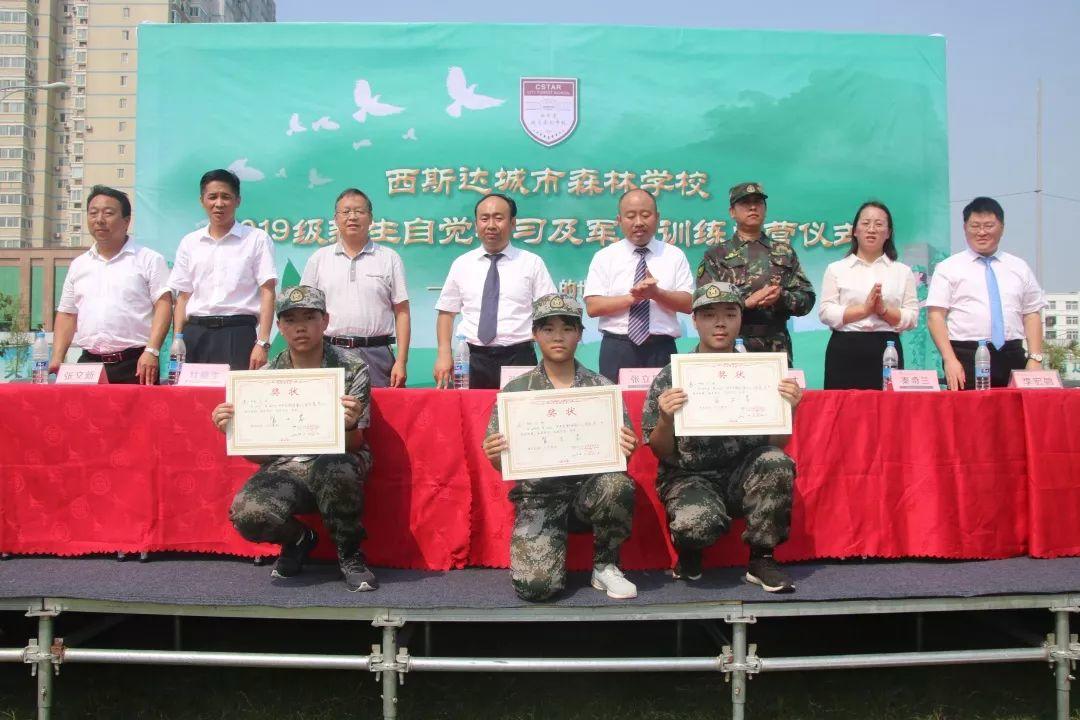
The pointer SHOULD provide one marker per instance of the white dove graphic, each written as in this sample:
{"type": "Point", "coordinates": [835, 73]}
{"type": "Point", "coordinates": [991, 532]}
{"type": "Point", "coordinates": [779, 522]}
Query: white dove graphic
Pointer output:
{"type": "Point", "coordinates": [464, 95]}
{"type": "Point", "coordinates": [368, 104]}
{"type": "Point", "coordinates": [361, 143]}
{"type": "Point", "coordinates": [410, 134]}
{"type": "Point", "coordinates": [280, 173]}
{"type": "Point", "coordinates": [314, 179]}
{"type": "Point", "coordinates": [324, 123]}
{"type": "Point", "coordinates": [241, 170]}
{"type": "Point", "coordinates": [294, 125]}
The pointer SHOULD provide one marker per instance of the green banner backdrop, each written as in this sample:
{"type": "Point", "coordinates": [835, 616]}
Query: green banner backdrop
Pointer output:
{"type": "Point", "coordinates": [426, 118]}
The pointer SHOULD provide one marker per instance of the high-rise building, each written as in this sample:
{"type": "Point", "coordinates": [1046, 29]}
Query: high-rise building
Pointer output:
{"type": "Point", "coordinates": [55, 145]}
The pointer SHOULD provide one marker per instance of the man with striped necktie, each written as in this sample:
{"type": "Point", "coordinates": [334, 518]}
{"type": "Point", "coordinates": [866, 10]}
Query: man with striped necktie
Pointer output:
{"type": "Point", "coordinates": [982, 293]}
{"type": "Point", "coordinates": [636, 286]}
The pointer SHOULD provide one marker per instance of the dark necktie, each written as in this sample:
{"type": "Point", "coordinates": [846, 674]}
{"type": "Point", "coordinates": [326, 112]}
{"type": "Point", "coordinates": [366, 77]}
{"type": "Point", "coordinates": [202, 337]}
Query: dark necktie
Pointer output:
{"type": "Point", "coordinates": [639, 311]}
{"type": "Point", "coordinates": [489, 302]}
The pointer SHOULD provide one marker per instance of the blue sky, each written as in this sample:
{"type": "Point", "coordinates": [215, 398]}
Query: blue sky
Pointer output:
{"type": "Point", "coordinates": [997, 52]}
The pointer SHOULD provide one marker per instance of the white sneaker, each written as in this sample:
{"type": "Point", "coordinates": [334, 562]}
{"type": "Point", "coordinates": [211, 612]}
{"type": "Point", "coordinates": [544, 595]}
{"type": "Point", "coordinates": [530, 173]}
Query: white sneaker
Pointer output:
{"type": "Point", "coordinates": [610, 579]}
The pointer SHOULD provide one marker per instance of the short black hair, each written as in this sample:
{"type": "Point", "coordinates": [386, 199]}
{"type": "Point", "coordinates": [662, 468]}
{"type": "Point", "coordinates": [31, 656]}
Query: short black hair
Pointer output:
{"type": "Point", "coordinates": [118, 195]}
{"type": "Point", "coordinates": [220, 175]}
{"type": "Point", "coordinates": [354, 191]}
{"type": "Point", "coordinates": [984, 204]}
{"type": "Point", "coordinates": [889, 248]}
{"type": "Point", "coordinates": [506, 198]}
{"type": "Point", "coordinates": [652, 197]}
{"type": "Point", "coordinates": [573, 320]}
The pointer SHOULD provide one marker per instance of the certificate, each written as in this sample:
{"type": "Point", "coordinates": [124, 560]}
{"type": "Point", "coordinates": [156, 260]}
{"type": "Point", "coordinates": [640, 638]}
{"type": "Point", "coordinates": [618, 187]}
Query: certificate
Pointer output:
{"type": "Point", "coordinates": [731, 394]}
{"type": "Point", "coordinates": [286, 412]}
{"type": "Point", "coordinates": [552, 433]}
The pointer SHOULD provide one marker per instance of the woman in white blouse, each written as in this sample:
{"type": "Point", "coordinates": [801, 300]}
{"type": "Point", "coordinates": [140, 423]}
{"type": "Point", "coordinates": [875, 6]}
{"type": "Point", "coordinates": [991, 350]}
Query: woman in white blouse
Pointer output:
{"type": "Point", "coordinates": [868, 298]}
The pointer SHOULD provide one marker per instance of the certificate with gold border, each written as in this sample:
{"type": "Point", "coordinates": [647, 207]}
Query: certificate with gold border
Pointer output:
{"type": "Point", "coordinates": [555, 433]}
{"type": "Point", "coordinates": [731, 394]}
{"type": "Point", "coordinates": [286, 412]}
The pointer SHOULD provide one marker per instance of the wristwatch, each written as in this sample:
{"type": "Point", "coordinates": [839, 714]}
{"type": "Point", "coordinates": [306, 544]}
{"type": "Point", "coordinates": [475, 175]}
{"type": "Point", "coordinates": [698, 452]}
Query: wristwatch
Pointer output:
{"type": "Point", "coordinates": [1037, 357]}
{"type": "Point", "coordinates": [153, 351]}
{"type": "Point", "coordinates": [264, 344]}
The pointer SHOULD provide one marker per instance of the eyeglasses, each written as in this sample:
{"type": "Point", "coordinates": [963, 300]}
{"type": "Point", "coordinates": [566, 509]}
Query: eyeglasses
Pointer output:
{"type": "Point", "coordinates": [987, 226]}
{"type": "Point", "coordinates": [353, 213]}
{"type": "Point", "coordinates": [875, 224]}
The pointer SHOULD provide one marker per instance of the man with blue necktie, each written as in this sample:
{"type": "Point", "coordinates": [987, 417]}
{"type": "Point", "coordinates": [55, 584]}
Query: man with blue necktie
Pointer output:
{"type": "Point", "coordinates": [982, 293]}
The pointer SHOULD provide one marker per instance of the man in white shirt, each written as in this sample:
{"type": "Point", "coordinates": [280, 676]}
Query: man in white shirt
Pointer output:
{"type": "Point", "coordinates": [982, 293]}
{"type": "Point", "coordinates": [115, 302]}
{"type": "Point", "coordinates": [635, 287]}
{"type": "Point", "coordinates": [224, 279]}
{"type": "Point", "coordinates": [365, 290]}
{"type": "Point", "coordinates": [493, 287]}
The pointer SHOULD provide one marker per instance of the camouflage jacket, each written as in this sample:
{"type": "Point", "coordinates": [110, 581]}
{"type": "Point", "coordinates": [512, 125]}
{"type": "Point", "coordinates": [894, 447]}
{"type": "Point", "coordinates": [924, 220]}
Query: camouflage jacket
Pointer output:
{"type": "Point", "coordinates": [732, 261]}
{"type": "Point", "coordinates": [696, 453]}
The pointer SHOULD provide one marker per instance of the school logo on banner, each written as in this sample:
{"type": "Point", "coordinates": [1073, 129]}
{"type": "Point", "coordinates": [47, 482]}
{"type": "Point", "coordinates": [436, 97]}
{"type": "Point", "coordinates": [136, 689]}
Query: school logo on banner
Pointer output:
{"type": "Point", "coordinates": [549, 108]}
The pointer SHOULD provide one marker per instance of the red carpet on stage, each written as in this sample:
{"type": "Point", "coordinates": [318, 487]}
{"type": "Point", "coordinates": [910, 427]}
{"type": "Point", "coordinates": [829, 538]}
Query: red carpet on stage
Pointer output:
{"type": "Point", "coordinates": [952, 475]}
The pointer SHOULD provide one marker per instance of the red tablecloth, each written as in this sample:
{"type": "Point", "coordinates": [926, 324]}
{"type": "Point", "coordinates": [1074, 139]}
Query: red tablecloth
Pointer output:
{"type": "Point", "coordinates": [953, 475]}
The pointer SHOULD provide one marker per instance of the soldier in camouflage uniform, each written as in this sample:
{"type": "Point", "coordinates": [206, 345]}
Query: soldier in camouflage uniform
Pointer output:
{"type": "Point", "coordinates": [765, 270]}
{"type": "Point", "coordinates": [333, 485]}
{"type": "Point", "coordinates": [546, 509]}
{"type": "Point", "coordinates": [705, 481]}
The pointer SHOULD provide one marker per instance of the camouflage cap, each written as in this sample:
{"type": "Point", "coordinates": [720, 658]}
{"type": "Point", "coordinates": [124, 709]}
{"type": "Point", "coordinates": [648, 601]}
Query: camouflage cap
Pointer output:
{"type": "Point", "coordinates": [555, 304]}
{"type": "Point", "coordinates": [744, 190]}
{"type": "Point", "coordinates": [300, 296]}
{"type": "Point", "coordinates": [716, 292]}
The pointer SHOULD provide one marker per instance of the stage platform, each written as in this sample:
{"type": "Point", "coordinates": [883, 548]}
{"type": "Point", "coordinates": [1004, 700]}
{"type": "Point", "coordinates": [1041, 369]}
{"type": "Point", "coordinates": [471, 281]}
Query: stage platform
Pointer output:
{"type": "Point", "coordinates": [185, 585]}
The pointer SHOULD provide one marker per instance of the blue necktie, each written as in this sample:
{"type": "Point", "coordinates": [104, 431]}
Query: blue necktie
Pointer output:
{"type": "Point", "coordinates": [639, 311]}
{"type": "Point", "coordinates": [997, 317]}
{"type": "Point", "coordinates": [489, 303]}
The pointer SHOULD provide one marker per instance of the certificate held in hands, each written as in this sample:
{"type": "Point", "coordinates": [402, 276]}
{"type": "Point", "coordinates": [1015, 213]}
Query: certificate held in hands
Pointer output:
{"type": "Point", "coordinates": [286, 412]}
{"type": "Point", "coordinates": [731, 394]}
{"type": "Point", "coordinates": [553, 433]}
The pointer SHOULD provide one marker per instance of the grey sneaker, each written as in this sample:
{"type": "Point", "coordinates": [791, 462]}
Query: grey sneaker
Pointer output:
{"type": "Point", "coordinates": [358, 577]}
{"type": "Point", "coordinates": [767, 573]}
{"type": "Point", "coordinates": [610, 579]}
{"type": "Point", "coordinates": [291, 560]}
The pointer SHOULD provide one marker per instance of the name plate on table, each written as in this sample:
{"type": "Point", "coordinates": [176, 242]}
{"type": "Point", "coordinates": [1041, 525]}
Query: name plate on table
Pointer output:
{"type": "Point", "coordinates": [82, 374]}
{"type": "Point", "coordinates": [509, 372]}
{"type": "Point", "coordinates": [203, 375]}
{"type": "Point", "coordinates": [286, 412]}
{"type": "Point", "coordinates": [798, 376]}
{"type": "Point", "coordinates": [1028, 379]}
{"type": "Point", "coordinates": [915, 381]}
{"type": "Point", "coordinates": [731, 394]}
{"type": "Point", "coordinates": [637, 378]}
{"type": "Point", "coordinates": [552, 433]}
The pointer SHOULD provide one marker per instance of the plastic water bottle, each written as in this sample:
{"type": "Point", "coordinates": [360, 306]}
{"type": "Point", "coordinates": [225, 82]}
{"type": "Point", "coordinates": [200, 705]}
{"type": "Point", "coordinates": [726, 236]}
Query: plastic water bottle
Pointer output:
{"type": "Point", "coordinates": [40, 359]}
{"type": "Point", "coordinates": [177, 355]}
{"type": "Point", "coordinates": [740, 346]}
{"type": "Point", "coordinates": [982, 367]}
{"type": "Point", "coordinates": [889, 361]}
{"type": "Point", "coordinates": [461, 363]}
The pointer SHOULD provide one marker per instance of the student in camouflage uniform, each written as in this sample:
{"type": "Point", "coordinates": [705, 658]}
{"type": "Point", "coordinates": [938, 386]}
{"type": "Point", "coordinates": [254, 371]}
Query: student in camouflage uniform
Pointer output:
{"type": "Point", "coordinates": [333, 485]}
{"type": "Point", "coordinates": [705, 481]}
{"type": "Point", "coordinates": [765, 270]}
{"type": "Point", "coordinates": [546, 509]}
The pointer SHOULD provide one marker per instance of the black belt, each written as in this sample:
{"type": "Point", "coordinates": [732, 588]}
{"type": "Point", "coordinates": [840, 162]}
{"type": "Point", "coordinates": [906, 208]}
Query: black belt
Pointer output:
{"type": "Point", "coordinates": [651, 338]}
{"type": "Point", "coordinates": [220, 321]}
{"type": "Point", "coordinates": [354, 341]}
{"type": "Point", "coordinates": [760, 330]}
{"type": "Point", "coordinates": [113, 358]}
{"type": "Point", "coordinates": [974, 345]}
{"type": "Point", "coordinates": [491, 349]}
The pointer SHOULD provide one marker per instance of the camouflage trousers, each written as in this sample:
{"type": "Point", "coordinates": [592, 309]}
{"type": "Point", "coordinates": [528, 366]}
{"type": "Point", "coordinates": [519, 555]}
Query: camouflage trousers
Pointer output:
{"type": "Point", "coordinates": [700, 504]}
{"type": "Point", "coordinates": [332, 485]}
{"type": "Point", "coordinates": [774, 342]}
{"type": "Point", "coordinates": [546, 510]}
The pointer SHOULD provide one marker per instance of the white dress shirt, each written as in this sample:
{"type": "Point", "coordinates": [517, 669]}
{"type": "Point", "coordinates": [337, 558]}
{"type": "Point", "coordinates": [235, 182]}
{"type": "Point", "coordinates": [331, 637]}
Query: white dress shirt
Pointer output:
{"type": "Point", "coordinates": [959, 287]}
{"type": "Point", "coordinates": [361, 291]}
{"type": "Point", "coordinates": [523, 277]}
{"type": "Point", "coordinates": [223, 276]}
{"type": "Point", "coordinates": [848, 281]}
{"type": "Point", "coordinates": [611, 272]}
{"type": "Point", "coordinates": [114, 299]}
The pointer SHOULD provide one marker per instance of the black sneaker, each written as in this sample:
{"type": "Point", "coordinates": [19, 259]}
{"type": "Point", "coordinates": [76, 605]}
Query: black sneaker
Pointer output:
{"type": "Point", "coordinates": [358, 577]}
{"type": "Point", "coordinates": [291, 560]}
{"type": "Point", "coordinates": [767, 573]}
{"type": "Point", "coordinates": [689, 565]}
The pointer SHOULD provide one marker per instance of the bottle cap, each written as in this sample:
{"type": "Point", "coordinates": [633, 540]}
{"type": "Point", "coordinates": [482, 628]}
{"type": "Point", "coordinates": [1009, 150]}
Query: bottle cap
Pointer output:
{"type": "Point", "coordinates": [890, 343]}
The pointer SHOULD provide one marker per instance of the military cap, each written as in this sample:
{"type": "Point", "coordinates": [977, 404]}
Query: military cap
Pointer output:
{"type": "Point", "coordinates": [554, 304]}
{"type": "Point", "coordinates": [300, 296]}
{"type": "Point", "coordinates": [744, 190]}
{"type": "Point", "coordinates": [716, 292]}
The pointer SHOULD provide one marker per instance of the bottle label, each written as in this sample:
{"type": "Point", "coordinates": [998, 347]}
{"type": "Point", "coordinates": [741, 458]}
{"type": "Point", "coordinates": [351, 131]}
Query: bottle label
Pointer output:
{"type": "Point", "coordinates": [982, 372]}
{"type": "Point", "coordinates": [886, 372]}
